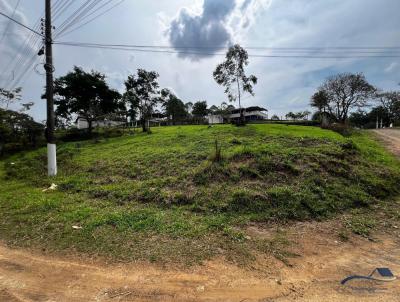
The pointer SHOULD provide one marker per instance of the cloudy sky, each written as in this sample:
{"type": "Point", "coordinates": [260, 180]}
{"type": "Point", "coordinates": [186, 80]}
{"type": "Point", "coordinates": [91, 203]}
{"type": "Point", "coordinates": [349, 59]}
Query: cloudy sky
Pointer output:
{"type": "Point", "coordinates": [207, 26]}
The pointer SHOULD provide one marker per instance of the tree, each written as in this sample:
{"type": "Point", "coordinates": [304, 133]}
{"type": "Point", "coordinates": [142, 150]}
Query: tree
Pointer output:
{"type": "Point", "coordinates": [275, 118]}
{"type": "Point", "coordinates": [200, 109]}
{"type": "Point", "coordinates": [142, 94]}
{"type": "Point", "coordinates": [301, 115]}
{"type": "Point", "coordinates": [320, 101]}
{"type": "Point", "coordinates": [173, 106]}
{"type": "Point", "coordinates": [346, 91]}
{"type": "Point", "coordinates": [18, 130]}
{"type": "Point", "coordinates": [8, 97]}
{"type": "Point", "coordinates": [231, 75]}
{"type": "Point", "coordinates": [86, 94]}
{"type": "Point", "coordinates": [224, 109]}
{"type": "Point", "coordinates": [290, 116]}
{"type": "Point", "coordinates": [390, 102]}
{"type": "Point", "coordinates": [26, 106]}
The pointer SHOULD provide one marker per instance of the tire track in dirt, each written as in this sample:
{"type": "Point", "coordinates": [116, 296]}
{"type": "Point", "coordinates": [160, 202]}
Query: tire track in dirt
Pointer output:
{"type": "Point", "coordinates": [313, 276]}
{"type": "Point", "coordinates": [391, 138]}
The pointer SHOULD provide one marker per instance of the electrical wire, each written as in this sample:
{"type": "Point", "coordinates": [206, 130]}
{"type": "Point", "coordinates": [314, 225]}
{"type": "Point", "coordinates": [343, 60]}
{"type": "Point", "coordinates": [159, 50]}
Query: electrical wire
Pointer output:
{"type": "Point", "coordinates": [342, 48]}
{"type": "Point", "coordinates": [68, 21]}
{"type": "Point", "coordinates": [9, 22]}
{"type": "Point", "coordinates": [27, 48]}
{"type": "Point", "coordinates": [152, 50]}
{"type": "Point", "coordinates": [19, 23]}
{"type": "Point", "coordinates": [94, 18]}
{"type": "Point", "coordinates": [64, 7]}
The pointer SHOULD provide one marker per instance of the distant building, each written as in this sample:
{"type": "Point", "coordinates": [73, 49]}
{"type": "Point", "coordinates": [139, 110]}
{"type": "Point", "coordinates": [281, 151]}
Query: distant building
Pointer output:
{"type": "Point", "coordinates": [215, 119]}
{"type": "Point", "coordinates": [81, 123]}
{"type": "Point", "coordinates": [253, 113]}
{"type": "Point", "coordinates": [157, 117]}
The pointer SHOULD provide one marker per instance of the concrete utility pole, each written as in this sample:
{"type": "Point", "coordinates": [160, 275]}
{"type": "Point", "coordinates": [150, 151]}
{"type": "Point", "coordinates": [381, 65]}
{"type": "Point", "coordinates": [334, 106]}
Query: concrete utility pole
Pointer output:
{"type": "Point", "coordinates": [51, 146]}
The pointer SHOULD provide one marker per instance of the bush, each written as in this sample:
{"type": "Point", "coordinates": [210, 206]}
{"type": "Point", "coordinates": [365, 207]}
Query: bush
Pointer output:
{"type": "Point", "coordinates": [342, 129]}
{"type": "Point", "coordinates": [75, 134]}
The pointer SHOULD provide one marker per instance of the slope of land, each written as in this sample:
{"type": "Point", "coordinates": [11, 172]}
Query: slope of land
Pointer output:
{"type": "Point", "coordinates": [163, 197]}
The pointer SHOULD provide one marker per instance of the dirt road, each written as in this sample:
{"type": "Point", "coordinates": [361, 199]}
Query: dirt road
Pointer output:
{"type": "Point", "coordinates": [313, 276]}
{"type": "Point", "coordinates": [391, 137]}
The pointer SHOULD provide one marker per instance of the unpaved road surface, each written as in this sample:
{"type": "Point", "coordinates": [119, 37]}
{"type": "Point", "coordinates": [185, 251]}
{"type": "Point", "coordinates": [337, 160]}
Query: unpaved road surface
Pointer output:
{"type": "Point", "coordinates": [312, 276]}
{"type": "Point", "coordinates": [391, 138]}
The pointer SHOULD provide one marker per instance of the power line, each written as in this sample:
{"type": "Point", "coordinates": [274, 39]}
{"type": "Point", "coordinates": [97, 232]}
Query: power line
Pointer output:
{"type": "Point", "coordinates": [9, 22]}
{"type": "Point", "coordinates": [23, 25]}
{"type": "Point", "coordinates": [143, 49]}
{"type": "Point", "coordinates": [74, 15]}
{"type": "Point", "coordinates": [280, 50]}
{"type": "Point", "coordinates": [92, 19]}
{"type": "Point", "coordinates": [340, 48]}
{"type": "Point", "coordinates": [64, 7]}
{"type": "Point", "coordinates": [24, 51]}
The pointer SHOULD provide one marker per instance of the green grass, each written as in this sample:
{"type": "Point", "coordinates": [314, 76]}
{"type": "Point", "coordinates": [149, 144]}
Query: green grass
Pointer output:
{"type": "Point", "coordinates": [164, 197]}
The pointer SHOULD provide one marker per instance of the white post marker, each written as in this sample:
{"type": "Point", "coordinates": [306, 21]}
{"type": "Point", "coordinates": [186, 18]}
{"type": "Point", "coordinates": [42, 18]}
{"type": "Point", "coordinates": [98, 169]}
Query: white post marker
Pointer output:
{"type": "Point", "coordinates": [51, 160]}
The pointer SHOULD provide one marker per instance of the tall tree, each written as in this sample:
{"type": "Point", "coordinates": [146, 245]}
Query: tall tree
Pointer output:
{"type": "Point", "coordinates": [86, 94]}
{"type": "Point", "coordinates": [142, 94]}
{"type": "Point", "coordinates": [200, 109]}
{"type": "Point", "coordinates": [8, 97]}
{"type": "Point", "coordinates": [390, 102]}
{"type": "Point", "coordinates": [173, 106]}
{"type": "Point", "coordinates": [320, 101]}
{"type": "Point", "coordinates": [346, 91]}
{"type": "Point", "coordinates": [231, 75]}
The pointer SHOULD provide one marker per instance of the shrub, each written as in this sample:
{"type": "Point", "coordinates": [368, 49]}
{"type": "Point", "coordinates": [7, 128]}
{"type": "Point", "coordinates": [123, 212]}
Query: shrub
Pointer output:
{"type": "Point", "coordinates": [217, 154]}
{"type": "Point", "coordinates": [342, 129]}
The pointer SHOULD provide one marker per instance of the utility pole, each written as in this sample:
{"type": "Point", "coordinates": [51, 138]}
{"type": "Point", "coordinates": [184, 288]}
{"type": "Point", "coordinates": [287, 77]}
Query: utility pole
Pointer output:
{"type": "Point", "coordinates": [51, 146]}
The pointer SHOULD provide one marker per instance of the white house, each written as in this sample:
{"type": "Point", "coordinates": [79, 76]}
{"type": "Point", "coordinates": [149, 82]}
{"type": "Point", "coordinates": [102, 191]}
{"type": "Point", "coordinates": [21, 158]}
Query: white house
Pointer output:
{"type": "Point", "coordinates": [253, 113]}
{"type": "Point", "coordinates": [215, 119]}
{"type": "Point", "coordinates": [81, 123]}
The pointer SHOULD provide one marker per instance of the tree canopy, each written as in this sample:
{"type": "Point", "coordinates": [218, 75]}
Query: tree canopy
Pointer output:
{"type": "Point", "coordinates": [142, 94]}
{"type": "Point", "coordinates": [200, 109]}
{"type": "Point", "coordinates": [8, 97]}
{"type": "Point", "coordinates": [301, 115]}
{"type": "Point", "coordinates": [390, 102]}
{"type": "Point", "coordinates": [343, 92]}
{"type": "Point", "coordinates": [85, 94]}
{"type": "Point", "coordinates": [18, 131]}
{"type": "Point", "coordinates": [174, 108]}
{"type": "Point", "coordinates": [231, 75]}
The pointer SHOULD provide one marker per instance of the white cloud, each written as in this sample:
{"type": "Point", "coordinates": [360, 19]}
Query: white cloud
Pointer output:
{"type": "Point", "coordinates": [218, 23]}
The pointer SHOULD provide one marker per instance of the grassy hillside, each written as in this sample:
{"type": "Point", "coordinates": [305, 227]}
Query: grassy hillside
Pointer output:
{"type": "Point", "coordinates": [162, 196]}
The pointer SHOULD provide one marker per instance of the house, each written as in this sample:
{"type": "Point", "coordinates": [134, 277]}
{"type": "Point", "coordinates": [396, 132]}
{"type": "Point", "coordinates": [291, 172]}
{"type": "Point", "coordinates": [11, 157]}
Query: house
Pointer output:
{"type": "Point", "coordinates": [253, 113]}
{"type": "Point", "coordinates": [81, 123]}
{"type": "Point", "coordinates": [157, 117]}
{"type": "Point", "coordinates": [215, 119]}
